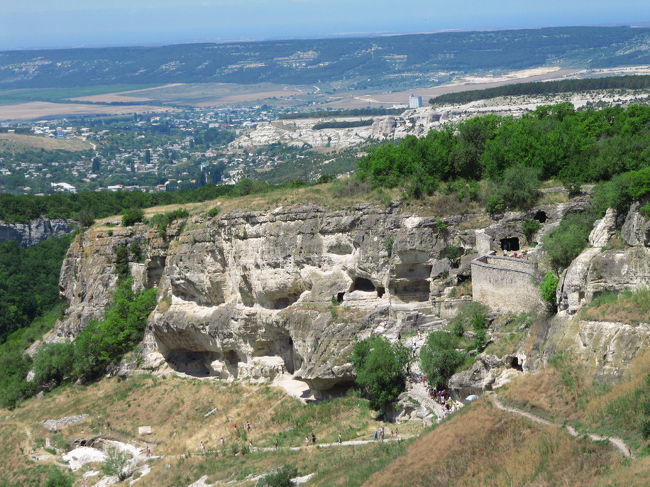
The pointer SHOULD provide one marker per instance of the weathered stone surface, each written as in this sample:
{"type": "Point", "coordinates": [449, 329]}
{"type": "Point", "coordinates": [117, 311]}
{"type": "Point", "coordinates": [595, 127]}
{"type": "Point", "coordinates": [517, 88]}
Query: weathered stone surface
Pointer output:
{"type": "Point", "coordinates": [250, 294]}
{"type": "Point", "coordinates": [28, 234]}
{"type": "Point", "coordinates": [603, 230]}
{"type": "Point", "coordinates": [596, 271]}
{"type": "Point", "coordinates": [636, 229]}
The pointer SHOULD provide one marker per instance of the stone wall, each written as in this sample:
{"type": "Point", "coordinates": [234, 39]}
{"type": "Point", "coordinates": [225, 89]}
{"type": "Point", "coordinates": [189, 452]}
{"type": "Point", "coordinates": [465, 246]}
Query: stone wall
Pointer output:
{"type": "Point", "coordinates": [505, 284]}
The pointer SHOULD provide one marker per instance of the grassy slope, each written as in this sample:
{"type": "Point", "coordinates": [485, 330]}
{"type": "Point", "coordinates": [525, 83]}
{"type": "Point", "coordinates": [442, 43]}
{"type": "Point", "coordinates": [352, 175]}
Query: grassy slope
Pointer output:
{"type": "Point", "coordinates": [175, 408]}
{"type": "Point", "coordinates": [485, 446]}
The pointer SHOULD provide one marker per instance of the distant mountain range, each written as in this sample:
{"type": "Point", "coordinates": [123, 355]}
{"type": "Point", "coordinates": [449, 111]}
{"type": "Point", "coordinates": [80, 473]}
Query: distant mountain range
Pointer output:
{"type": "Point", "coordinates": [355, 63]}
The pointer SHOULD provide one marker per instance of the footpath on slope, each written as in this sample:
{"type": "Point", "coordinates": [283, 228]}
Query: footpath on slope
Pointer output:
{"type": "Point", "coordinates": [618, 443]}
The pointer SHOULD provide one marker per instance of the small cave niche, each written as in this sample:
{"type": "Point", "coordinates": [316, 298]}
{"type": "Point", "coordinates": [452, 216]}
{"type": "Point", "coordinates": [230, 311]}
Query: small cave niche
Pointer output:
{"type": "Point", "coordinates": [540, 216]}
{"type": "Point", "coordinates": [411, 291]}
{"type": "Point", "coordinates": [281, 346]}
{"type": "Point", "coordinates": [196, 364]}
{"type": "Point", "coordinates": [155, 269]}
{"type": "Point", "coordinates": [509, 244]}
{"type": "Point", "coordinates": [363, 284]}
{"type": "Point", "coordinates": [283, 301]}
{"type": "Point", "coordinates": [381, 291]}
{"type": "Point", "coordinates": [339, 297]}
{"type": "Point", "coordinates": [516, 364]}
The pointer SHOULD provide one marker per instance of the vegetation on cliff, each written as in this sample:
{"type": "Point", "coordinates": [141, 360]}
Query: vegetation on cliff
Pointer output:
{"type": "Point", "coordinates": [551, 142]}
{"type": "Point", "coordinates": [381, 370]}
{"type": "Point", "coordinates": [29, 280]}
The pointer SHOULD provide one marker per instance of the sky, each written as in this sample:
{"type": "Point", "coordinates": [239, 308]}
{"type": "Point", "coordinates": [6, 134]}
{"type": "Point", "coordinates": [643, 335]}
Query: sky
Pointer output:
{"type": "Point", "coordinates": [27, 24]}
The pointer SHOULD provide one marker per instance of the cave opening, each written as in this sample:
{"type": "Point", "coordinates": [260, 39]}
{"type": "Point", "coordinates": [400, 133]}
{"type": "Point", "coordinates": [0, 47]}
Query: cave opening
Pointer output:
{"type": "Point", "coordinates": [381, 291]}
{"type": "Point", "coordinates": [339, 297]}
{"type": "Point", "coordinates": [363, 284]}
{"type": "Point", "coordinates": [509, 244]}
{"type": "Point", "coordinates": [540, 216]}
{"type": "Point", "coordinates": [516, 364]}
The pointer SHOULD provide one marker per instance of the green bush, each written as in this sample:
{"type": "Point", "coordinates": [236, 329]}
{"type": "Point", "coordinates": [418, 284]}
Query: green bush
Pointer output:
{"type": "Point", "coordinates": [53, 364]}
{"type": "Point", "coordinates": [116, 463]}
{"type": "Point", "coordinates": [162, 221]}
{"type": "Point", "coordinates": [519, 187]}
{"type": "Point", "coordinates": [440, 358]}
{"type": "Point", "coordinates": [548, 287]}
{"type": "Point", "coordinates": [380, 367]}
{"type": "Point", "coordinates": [471, 316]}
{"type": "Point", "coordinates": [131, 216]}
{"type": "Point", "coordinates": [529, 228]}
{"type": "Point", "coordinates": [280, 478]}
{"type": "Point", "coordinates": [59, 478]}
{"type": "Point", "coordinates": [565, 243]}
{"type": "Point", "coordinates": [495, 204]}
{"type": "Point", "coordinates": [122, 262]}
{"type": "Point", "coordinates": [212, 212]}
{"type": "Point", "coordinates": [645, 210]}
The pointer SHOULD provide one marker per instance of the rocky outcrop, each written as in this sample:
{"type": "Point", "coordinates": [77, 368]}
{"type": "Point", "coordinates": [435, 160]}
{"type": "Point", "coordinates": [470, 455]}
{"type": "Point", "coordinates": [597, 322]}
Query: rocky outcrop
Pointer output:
{"type": "Point", "coordinates": [253, 294]}
{"type": "Point", "coordinates": [597, 270]}
{"type": "Point", "coordinates": [636, 229]}
{"type": "Point", "coordinates": [34, 232]}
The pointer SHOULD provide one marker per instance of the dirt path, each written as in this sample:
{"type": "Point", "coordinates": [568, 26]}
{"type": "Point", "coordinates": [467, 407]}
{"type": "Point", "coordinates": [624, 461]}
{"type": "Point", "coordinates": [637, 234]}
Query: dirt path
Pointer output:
{"type": "Point", "coordinates": [618, 443]}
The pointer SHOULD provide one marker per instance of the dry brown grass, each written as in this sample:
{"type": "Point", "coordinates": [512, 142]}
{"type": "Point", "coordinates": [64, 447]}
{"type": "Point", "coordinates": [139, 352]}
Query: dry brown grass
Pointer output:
{"type": "Point", "coordinates": [627, 307]}
{"type": "Point", "coordinates": [174, 408]}
{"type": "Point", "coordinates": [488, 447]}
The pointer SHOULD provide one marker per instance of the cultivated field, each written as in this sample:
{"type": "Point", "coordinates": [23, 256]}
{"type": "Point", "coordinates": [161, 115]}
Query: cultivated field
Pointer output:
{"type": "Point", "coordinates": [37, 110]}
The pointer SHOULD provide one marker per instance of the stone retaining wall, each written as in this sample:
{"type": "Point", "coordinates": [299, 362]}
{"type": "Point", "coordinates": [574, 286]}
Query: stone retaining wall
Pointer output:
{"type": "Point", "coordinates": [505, 284]}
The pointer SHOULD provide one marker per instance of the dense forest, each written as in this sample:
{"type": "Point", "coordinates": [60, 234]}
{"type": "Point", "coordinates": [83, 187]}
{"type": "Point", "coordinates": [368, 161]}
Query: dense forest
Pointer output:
{"type": "Point", "coordinates": [546, 88]}
{"type": "Point", "coordinates": [28, 281]}
{"type": "Point", "coordinates": [553, 142]}
{"type": "Point", "coordinates": [87, 206]}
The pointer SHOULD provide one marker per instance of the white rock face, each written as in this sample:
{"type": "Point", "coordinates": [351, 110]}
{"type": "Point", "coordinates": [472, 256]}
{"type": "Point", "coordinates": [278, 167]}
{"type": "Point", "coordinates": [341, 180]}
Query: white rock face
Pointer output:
{"type": "Point", "coordinates": [79, 457]}
{"type": "Point", "coordinates": [36, 231]}
{"type": "Point", "coordinates": [603, 229]}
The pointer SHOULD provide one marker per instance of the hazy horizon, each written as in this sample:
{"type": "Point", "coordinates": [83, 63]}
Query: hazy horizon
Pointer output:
{"type": "Point", "coordinates": [46, 25]}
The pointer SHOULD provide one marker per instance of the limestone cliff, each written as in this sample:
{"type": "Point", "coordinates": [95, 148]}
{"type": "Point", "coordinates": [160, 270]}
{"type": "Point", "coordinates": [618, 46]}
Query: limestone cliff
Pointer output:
{"type": "Point", "coordinates": [28, 234]}
{"type": "Point", "coordinates": [252, 294]}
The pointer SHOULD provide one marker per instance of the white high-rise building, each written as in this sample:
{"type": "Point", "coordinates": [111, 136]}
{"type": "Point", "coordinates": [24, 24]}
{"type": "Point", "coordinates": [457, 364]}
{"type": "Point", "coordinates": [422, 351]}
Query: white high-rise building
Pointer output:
{"type": "Point", "coordinates": [415, 101]}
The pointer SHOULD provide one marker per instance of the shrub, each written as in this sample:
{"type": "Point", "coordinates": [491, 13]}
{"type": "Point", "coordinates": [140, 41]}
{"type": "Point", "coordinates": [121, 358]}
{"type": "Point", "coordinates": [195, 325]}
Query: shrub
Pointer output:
{"type": "Point", "coordinates": [131, 216]}
{"type": "Point", "coordinates": [548, 287]}
{"type": "Point", "coordinates": [53, 363]}
{"type": "Point", "coordinates": [495, 204]}
{"type": "Point", "coordinates": [440, 358]}
{"type": "Point", "coordinates": [530, 227]}
{"type": "Point", "coordinates": [122, 262]}
{"type": "Point", "coordinates": [452, 252]}
{"type": "Point", "coordinates": [567, 241]}
{"type": "Point", "coordinates": [520, 187]}
{"type": "Point", "coordinates": [212, 212]}
{"type": "Point", "coordinates": [472, 315]}
{"type": "Point", "coordinates": [645, 210]}
{"type": "Point", "coordinates": [388, 244]}
{"type": "Point", "coordinates": [380, 368]}
{"type": "Point", "coordinates": [59, 478]}
{"type": "Point", "coordinates": [280, 478]}
{"type": "Point", "coordinates": [116, 463]}
{"type": "Point", "coordinates": [162, 221]}
{"type": "Point", "coordinates": [136, 252]}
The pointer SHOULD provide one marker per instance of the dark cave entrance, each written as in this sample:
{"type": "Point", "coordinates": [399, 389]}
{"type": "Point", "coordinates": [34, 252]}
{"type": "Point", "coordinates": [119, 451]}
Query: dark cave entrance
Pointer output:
{"type": "Point", "coordinates": [362, 284]}
{"type": "Point", "coordinates": [509, 244]}
{"type": "Point", "coordinates": [540, 216]}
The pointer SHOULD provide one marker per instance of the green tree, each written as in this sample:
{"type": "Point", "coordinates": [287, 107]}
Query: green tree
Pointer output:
{"type": "Point", "coordinates": [440, 358]}
{"type": "Point", "coordinates": [548, 287]}
{"type": "Point", "coordinates": [279, 478]}
{"type": "Point", "coordinates": [381, 370]}
{"type": "Point", "coordinates": [117, 463]}
{"type": "Point", "coordinates": [131, 216]}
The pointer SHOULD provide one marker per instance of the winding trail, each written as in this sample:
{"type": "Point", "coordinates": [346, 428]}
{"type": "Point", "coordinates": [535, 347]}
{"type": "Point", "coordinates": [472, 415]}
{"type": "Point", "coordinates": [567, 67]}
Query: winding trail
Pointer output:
{"type": "Point", "coordinates": [618, 443]}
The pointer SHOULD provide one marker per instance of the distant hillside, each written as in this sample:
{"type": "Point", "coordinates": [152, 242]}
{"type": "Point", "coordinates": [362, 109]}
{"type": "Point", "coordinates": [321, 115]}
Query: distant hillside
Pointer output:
{"type": "Point", "coordinates": [361, 63]}
{"type": "Point", "coordinates": [546, 88]}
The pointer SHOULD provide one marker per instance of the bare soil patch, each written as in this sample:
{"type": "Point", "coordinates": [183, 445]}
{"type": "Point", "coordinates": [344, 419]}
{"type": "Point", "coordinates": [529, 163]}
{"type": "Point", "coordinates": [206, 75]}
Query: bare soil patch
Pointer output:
{"type": "Point", "coordinates": [21, 143]}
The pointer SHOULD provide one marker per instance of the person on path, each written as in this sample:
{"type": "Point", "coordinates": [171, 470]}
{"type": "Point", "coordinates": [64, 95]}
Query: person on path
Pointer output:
{"type": "Point", "coordinates": [376, 434]}
{"type": "Point", "coordinates": [313, 438]}
{"type": "Point", "coordinates": [382, 433]}
{"type": "Point", "coordinates": [277, 444]}
{"type": "Point", "coordinates": [306, 442]}
{"type": "Point", "coordinates": [340, 439]}
{"type": "Point", "coordinates": [222, 442]}
{"type": "Point", "coordinates": [202, 447]}
{"type": "Point", "coordinates": [248, 426]}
